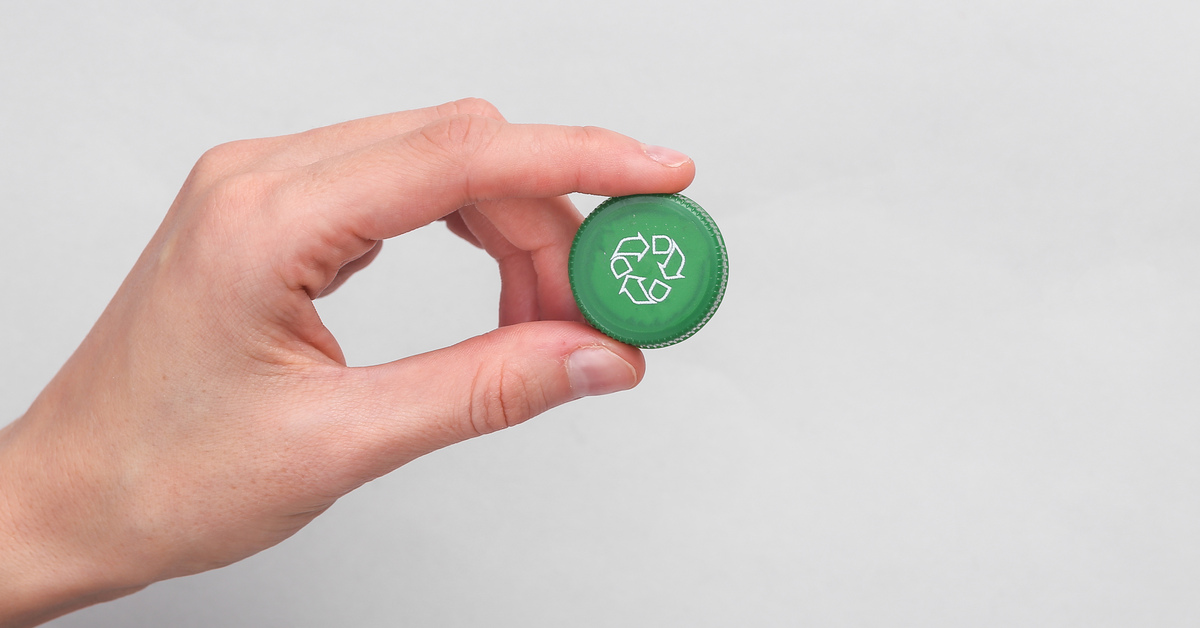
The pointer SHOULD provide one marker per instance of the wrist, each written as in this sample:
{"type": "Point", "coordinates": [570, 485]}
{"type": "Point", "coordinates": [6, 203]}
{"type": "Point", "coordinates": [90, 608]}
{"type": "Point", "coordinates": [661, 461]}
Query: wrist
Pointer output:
{"type": "Point", "coordinates": [52, 561]}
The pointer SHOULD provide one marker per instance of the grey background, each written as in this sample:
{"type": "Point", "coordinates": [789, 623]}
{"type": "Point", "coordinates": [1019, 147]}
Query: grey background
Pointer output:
{"type": "Point", "coordinates": [954, 380]}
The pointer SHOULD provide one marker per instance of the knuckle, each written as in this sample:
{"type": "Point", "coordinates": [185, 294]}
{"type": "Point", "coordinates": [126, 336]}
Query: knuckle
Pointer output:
{"type": "Point", "coordinates": [240, 191]}
{"type": "Point", "coordinates": [223, 218]}
{"type": "Point", "coordinates": [236, 206]}
{"type": "Point", "coordinates": [478, 107]}
{"type": "Point", "coordinates": [583, 138]}
{"type": "Point", "coordinates": [459, 135]}
{"type": "Point", "coordinates": [226, 158]}
{"type": "Point", "coordinates": [502, 397]}
{"type": "Point", "coordinates": [578, 141]}
{"type": "Point", "coordinates": [315, 137]}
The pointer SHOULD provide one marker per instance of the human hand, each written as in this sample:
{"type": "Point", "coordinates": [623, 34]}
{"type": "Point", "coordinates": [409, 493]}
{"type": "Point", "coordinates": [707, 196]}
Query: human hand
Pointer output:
{"type": "Point", "coordinates": [209, 414]}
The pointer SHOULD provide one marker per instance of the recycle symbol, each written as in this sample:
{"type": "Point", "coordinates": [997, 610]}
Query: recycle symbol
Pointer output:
{"type": "Point", "coordinates": [634, 248]}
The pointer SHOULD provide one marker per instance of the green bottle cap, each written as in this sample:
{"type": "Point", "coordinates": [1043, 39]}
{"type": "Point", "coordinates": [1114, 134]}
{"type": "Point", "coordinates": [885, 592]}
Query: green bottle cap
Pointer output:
{"type": "Point", "coordinates": [650, 269]}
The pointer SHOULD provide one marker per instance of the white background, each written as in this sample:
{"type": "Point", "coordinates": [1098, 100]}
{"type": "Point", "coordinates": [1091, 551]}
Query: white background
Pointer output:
{"type": "Point", "coordinates": [954, 381]}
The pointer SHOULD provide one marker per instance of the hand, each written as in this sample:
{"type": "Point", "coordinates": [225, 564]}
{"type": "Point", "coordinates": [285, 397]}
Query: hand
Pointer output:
{"type": "Point", "coordinates": [209, 414]}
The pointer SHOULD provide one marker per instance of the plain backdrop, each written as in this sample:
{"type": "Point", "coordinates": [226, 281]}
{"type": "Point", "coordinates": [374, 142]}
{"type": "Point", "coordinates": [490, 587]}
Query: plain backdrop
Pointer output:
{"type": "Point", "coordinates": [954, 381]}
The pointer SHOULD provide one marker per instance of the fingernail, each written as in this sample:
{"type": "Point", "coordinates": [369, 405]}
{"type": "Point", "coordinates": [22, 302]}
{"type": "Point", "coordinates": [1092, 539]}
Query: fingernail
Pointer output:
{"type": "Point", "coordinates": [598, 371]}
{"type": "Point", "coordinates": [665, 156]}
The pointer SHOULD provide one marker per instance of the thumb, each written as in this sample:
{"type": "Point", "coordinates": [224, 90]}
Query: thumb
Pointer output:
{"type": "Point", "coordinates": [422, 403]}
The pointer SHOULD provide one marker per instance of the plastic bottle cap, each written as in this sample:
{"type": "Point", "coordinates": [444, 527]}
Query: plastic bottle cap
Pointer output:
{"type": "Point", "coordinates": [649, 270]}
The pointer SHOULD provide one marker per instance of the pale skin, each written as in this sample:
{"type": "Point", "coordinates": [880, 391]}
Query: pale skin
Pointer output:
{"type": "Point", "coordinates": [209, 414]}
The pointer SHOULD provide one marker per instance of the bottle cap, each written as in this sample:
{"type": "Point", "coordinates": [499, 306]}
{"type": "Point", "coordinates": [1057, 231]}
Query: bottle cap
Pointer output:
{"type": "Point", "coordinates": [648, 270]}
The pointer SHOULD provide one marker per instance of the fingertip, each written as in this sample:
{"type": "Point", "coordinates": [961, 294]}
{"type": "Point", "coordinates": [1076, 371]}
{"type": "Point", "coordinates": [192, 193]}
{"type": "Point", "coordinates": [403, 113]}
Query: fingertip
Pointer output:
{"type": "Point", "coordinates": [668, 157]}
{"type": "Point", "coordinates": [630, 354]}
{"type": "Point", "coordinates": [594, 370]}
{"type": "Point", "coordinates": [675, 170]}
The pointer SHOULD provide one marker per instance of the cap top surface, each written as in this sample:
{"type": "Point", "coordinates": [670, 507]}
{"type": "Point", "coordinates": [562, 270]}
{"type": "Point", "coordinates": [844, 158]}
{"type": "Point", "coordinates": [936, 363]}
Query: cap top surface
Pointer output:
{"type": "Point", "coordinates": [649, 270]}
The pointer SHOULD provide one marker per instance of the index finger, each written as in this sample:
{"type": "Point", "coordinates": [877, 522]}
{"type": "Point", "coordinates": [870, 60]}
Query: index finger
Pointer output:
{"type": "Point", "coordinates": [402, 183]}
{"type": "Point", "coordinates": [300, 149]}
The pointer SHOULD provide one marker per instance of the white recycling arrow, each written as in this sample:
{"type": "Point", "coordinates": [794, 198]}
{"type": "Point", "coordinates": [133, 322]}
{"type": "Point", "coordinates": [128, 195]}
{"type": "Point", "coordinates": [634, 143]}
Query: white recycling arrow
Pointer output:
{"type": "Point", "coordinates": [673, 253]}
{"type": "Point", "coordinates": [618, 261]}
{"type": "Point", "coordinates": [665, 289]}
{"type": "Point", "coordinates": [637, 238]}
{"type": "Point", "coordinates": [639, 290]}
{"type": "Point", "coordinates": [636, 247]}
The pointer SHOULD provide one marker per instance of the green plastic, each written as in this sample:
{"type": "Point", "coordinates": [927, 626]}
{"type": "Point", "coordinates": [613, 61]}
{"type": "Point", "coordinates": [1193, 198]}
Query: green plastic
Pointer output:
{"type": "Point", "coordinates": [649, 270]}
